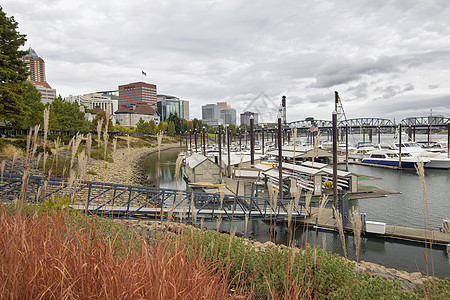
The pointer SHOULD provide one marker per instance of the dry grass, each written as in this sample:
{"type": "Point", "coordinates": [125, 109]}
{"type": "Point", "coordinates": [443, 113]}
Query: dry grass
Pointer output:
{"type": "Point", "coordinates": [9, 150]}
{"type": "Point", "coordinates": [44, 257]}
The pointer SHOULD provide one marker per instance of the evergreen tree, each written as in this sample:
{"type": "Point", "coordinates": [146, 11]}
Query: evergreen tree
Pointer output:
{"type": "Point", "coordinates": [152, 127]}
{"type": "Point", "coordinates": [33, 107]}
{"type": "Point", "coordinates": [171, 129]}
{"type": "Point", "coordinates": [13, 71]}
{"type": "Point", "coordinates": [177, 122]}
{"type": "Point", "coordinates": [141, 126]}
{"type": "Point", "coordinates": [66, 116]}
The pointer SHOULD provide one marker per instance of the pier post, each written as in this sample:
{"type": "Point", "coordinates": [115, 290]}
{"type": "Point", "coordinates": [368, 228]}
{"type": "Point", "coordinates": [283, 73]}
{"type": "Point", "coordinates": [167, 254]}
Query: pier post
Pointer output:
{"type": "Point", "coordinates": [204, 141]}
{"type": "Point", "coordinates": [428, 134]}
{"type": "Point", "coordinates": [262, 136]}
{"type": "Point", "coordinates": [220, 151]}
{"type": "Point", "coordinates": [186, 143]}
{"type": "Point", "coordinates": [346, 147]}
{"type": "Point", "coordinates": [280, 161]}
{"type": "Point", "coordinates": [195, 137]}
{"type": "Point", "coordinates": [335, 133]}
{"type": "Point", "coordinates": [240, 140]}
{"type": "Point", "coordinates": [379, 135]}
{"type": "Point", "coordinates": [400, 145]}
{"type": "Point", "coordinates": [228, 147]}
{"type": "Point", "coordinates": [252, 141]}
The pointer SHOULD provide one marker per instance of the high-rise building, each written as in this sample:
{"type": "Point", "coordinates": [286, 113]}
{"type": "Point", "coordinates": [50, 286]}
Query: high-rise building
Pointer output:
{"type": "Point", "coordinates": [223, 105]}
{"type": "Point", "coordinates": [228, 115]}
{"type": "Point", "coordinates": [36, 67]}
{"type": "Point", "coordinates": [245, 118]}
{"type": "Point", "coordinates": [185, 105]}
{"type": "Point", "coordinates": [169, 105]}
{"type": "Point", "coordinates": [211, 114]}
{"type": "Point", "coordinates": [137, 93]}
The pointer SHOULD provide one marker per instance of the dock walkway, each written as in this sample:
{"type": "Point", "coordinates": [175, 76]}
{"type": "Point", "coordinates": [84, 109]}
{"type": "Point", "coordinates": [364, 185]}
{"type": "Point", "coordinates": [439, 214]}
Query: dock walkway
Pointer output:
{"type": "Point", "coordinates": [326, 220]}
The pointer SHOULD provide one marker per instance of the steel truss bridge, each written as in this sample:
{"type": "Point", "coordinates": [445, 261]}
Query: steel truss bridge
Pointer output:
{"type": "Point", "coordinates": [373, 122]}
{"type": "Point", "coordinates": [120, 200]}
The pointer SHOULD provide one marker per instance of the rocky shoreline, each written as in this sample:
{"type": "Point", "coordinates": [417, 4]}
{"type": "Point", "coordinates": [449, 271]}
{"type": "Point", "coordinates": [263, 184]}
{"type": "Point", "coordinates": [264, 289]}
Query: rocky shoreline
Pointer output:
{"type": "Point", "coordinates": [127, 166]}
{"type": "Point", "coordinates": [147, 229]}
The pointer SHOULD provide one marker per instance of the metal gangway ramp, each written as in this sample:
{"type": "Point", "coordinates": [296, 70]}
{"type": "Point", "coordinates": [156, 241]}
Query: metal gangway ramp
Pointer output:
{"type": "Point", "coordinates": [119, 200]}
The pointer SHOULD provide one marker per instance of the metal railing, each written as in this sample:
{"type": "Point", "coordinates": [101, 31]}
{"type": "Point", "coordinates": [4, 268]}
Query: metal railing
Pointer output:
{"type": "Point", "coordinates": [121, 200]}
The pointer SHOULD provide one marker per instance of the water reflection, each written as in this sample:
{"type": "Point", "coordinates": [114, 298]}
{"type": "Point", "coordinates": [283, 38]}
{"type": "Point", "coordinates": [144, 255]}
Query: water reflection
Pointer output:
{"type": "Point", "coordinates": [166, 171]}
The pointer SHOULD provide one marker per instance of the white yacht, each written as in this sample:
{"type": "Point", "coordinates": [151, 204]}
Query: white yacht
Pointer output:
{"type": "Point", "coordinates": [391, 158]}
{"type": "Point", "coordinates": [437, 160]}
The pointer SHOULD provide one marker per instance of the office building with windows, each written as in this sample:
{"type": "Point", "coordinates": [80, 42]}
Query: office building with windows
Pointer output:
{"type": "Point", "coordinates": [138, 93]}
{"type": "Point", "coordinates": [245, 118]}
{"type": "Point", "coordinates": [211, 114]}
{"type": "Point", "coordinates": [228, 115]}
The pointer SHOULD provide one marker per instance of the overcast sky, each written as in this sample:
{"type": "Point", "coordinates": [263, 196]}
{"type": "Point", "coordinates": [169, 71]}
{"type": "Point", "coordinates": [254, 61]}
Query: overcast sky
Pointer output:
{"type": "Point", "coordinates": [387, 59]}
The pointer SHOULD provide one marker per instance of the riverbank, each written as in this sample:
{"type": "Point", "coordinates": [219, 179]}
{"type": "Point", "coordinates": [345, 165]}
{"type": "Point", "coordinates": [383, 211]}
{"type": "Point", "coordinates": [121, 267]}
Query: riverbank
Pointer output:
{"type": "Point", "coordinates": [126, 167]}
{"type": "Point", "coordinates": [147, 229]}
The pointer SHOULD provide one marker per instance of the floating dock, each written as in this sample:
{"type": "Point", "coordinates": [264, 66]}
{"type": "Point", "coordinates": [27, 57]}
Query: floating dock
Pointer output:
{"type": "Point", "coordinates": [327, 221]}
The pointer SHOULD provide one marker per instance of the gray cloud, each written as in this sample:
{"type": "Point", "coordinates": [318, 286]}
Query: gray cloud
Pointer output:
{"type": "Point", "coordinates": [370, 51]}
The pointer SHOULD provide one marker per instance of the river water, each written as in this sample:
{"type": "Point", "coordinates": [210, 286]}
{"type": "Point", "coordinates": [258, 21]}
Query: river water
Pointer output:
{"type": "Point", "coordinates": [405, 209]}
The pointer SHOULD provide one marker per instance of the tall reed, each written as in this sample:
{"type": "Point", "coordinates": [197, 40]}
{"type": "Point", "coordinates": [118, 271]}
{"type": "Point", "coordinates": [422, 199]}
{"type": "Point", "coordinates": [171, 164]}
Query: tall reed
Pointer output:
{"type": "Point", "coordinates": [46, 119]}
{"type": "Point", "coordinates": [428, 252]}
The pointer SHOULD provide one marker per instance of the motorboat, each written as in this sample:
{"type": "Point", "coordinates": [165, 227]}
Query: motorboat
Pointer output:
{"type": "Point", "coordinates": [438, 160]}
{"type": "Point", "coordinates": [363, 150]}
{"type": "Point", "coordinates": [391, 158]}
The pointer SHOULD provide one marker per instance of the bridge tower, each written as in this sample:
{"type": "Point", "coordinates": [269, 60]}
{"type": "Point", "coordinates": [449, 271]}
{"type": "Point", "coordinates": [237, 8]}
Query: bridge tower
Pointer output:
{"type": "Point", "coordinates": [341, 117]}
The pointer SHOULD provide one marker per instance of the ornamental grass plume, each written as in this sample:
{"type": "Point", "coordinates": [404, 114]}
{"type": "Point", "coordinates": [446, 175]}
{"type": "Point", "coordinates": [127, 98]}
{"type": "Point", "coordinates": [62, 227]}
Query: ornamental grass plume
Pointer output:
{"type": "Point", "coordinates": [35, 144]}
{"type": "Point", "coordinates": [178, 167]}
{"type": "Point", "coordinates": [99, 132]}
{"type": "Point", "coordinates": [114, 145]}
{"type": "Point", "coordinates": [88, 144]}
{"type": "Point", "coordinates": [159, 138]}
{"type": "Point", "coordinates": [338, 217]}
{"type": "Point", "coordinates": [46, 119]}
{"type": "Point", "coordinates": [308, 200]}
{"type": "Point", "coordinates": [218, 222]}
{"type": "Point", "coordinates": [427, 286]}
{"type": "Point", "coordinates": [357, 227]}
{"type": "Point", "coordinates": [105, 133]}
{"type": "Point", "coordinates": [14, 158]}
{"type": "Point", "coordinates": [75, 144]}
{"type": "Point", "coordinates": [322, 204]}
{"type": "Point", "coordinates": [2, 169]}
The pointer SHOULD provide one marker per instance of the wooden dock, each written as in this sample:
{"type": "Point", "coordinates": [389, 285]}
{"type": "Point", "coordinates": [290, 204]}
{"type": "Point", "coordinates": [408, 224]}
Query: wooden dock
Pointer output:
{"type": "Point", "coordinates": [327, 221]}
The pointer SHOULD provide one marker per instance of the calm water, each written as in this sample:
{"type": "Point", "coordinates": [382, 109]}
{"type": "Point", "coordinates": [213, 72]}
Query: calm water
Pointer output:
{"type": "Point", "coordinates": [166, 171]}
{"type": "Point", "coordinates": [405, 209]}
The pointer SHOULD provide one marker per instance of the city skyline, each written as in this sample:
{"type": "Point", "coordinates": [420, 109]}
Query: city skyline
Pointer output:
{"type": "Point", "coordinates": [386, 59]}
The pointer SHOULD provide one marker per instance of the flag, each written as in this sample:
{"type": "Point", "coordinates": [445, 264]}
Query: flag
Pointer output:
{"type": "Point", "coordinates": [143, 73]}
{"type": "Point", "coordinates": [313, 128]}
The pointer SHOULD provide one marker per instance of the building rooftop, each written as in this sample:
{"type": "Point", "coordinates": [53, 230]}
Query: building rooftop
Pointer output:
{"type": "Point", "coordinates": [32, 54]}
{"type": "Point", "coordinates": [142, 109]}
